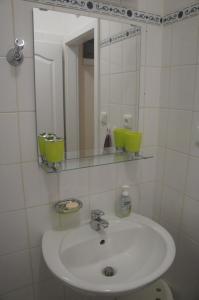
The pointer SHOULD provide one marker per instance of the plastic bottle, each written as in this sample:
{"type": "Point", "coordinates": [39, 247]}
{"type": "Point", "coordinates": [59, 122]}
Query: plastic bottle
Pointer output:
{"type": "Point", "coordinates": [123, 207]}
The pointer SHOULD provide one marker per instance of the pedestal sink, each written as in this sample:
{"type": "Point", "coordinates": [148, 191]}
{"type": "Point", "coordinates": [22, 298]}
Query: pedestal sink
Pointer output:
{"type": "Point", "coordinates": [131, 253]}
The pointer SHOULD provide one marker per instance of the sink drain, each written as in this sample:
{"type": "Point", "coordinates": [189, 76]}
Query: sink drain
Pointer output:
{"type": "Point", "coordinates": [108, 271]}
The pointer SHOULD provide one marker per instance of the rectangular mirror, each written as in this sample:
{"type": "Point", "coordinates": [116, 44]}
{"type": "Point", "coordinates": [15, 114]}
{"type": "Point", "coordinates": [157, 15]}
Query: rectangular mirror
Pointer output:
{"type": "Point", "coordinates": [86, 81]}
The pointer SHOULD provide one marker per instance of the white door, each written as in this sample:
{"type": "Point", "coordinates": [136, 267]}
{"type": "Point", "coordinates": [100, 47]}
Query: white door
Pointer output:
{"type": "Point", "coordinates": [49, 87]}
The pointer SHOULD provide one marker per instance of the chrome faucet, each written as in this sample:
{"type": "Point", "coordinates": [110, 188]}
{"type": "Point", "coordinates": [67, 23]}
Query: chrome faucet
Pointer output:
{"type": "Point", "coordinates": [97, 223]}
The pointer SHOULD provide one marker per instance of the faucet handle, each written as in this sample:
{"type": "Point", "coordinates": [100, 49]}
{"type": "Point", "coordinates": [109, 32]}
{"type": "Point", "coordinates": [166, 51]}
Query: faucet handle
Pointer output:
{"type": "Point", "coordinates": [96, 213]}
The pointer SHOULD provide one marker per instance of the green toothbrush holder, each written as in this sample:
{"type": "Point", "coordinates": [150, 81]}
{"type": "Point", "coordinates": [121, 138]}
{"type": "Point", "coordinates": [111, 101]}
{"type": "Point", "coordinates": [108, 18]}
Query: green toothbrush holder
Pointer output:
{"type": "Point", "coordinates": [42, 145]}
{"type": "Point", "coordinates": [119, 138]}
{"type": "Point", "coordinates": [133, 141]}
{"type": "Point", "coordinates": [54, 149]}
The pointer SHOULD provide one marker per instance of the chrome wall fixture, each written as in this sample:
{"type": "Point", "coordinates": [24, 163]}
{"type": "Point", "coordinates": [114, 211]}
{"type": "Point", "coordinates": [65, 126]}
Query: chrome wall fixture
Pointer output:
{"type": "Point", "coordinates": [15, 55]}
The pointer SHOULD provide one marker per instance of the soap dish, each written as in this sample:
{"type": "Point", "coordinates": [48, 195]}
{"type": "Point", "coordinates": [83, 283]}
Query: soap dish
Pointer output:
{"type": "Point", "coordinates": [68, 206]}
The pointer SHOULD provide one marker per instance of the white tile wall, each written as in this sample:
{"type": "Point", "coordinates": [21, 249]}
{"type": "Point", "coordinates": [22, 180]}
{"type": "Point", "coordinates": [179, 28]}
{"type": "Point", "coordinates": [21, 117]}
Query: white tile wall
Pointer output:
{"type": "Point", "coordinates": [175, 169]}
{"type": "Point", "coordinates": [73, 184]}
{"type": "Point", "coordinates": [119, 76]}
{"type": "Point", "coordinates": [192, 188]}
{"type": "Point", "coordinates": [171, 206]}
{"type": "Point", "coordinates": [27, 127]}
{"type": "Point", "coordinates": [152, 86]}
{"type": "Point", "coordinates": [13, 232]}
{"type": "Point", "coordinates": [128, 173]}
{"type": "Point", "coordinates": [104, 201]}
{"type": "Point", "coordinates": [151, 121]}
{"type": "Point", "coordinates": [102, 179]}
{"type": "Point", "coordinates": [153, 46]}
{"type": "Point", "coordinates": [11, 198]}
{"type": "Point", "coordinates": [180, 164]}
{"type": "Point", "coordinates": [6, 35]}
{"type": "Point", "coordinates": [186, 271]}
{"type": "Point", "coordinates": [25, 88]}
{"type": "Point", "coordinates": [184, 42]}
{"type": "Point", "coordinates": [165, 87]}
{"type": "Point", "coordinates": [116, 58]}
{"type": "Point", "coordinates": [50, 289]}
{"type": "Point", "coordinates": [171, 6]}
{"type": "Point", "coordinates": [179, 130]}
{"type": "Point", "coordinates": [9, 136]}
{"type": "Point", "coordinates": [194, 150]}
{"type": "Point", "coordinates": [15, 271]}
{"type": "Point", "coordinates": [196, 100]}
{"type": "Point", "coordinates": [20, 294]}
{"type": "Point", "coordinates": [39, 188]}
{"type": "Point", "coordinates": [147, 199]}
{"type": "Point", "coordinates": [8, 96]}
{"type": "Point", "coordinates": [129, 60]}
{"type": "Point", "coordinates": [40, 219]}
{"type": "Point", "coordinates": [23, 24]}
{"type": "Point", "coordinates": [40, 270]}
{"type": "Point", "coordinates": [182, 90]}
{"type": "Point", "coordinates": [190, 218]}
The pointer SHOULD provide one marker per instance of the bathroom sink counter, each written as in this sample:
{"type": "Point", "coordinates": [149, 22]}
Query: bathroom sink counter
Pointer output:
{"type": "Point", "coordinates": [137, 250]}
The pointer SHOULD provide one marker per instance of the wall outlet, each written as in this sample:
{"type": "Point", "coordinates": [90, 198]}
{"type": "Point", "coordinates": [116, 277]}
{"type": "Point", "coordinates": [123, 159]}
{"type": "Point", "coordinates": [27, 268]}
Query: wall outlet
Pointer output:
{"type": "Point", "coordinates": [103, 118]}
{"type": "Point", "coordinates": [128, 121]}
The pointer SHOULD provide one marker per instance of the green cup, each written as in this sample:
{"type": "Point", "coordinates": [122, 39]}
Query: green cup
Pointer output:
{"type": "Point", "coordinates": [119, 134]}
{"type": "Point", "coordinates": [41, 143]}
{"type": "Point", "coordinates": [133, 141]}
{"type": "Point", "coordinates": [55, 150]}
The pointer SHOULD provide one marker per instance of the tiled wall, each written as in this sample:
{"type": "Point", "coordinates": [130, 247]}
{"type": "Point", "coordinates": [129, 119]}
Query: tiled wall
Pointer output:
{"type": "Point", "coordinates": [180, 151]}
{"type": "Point", "coordinates": [171, 6]}
{"type": "Point", "coordinates": [119, 77]}
{"type": "Point", "coordinates": [27, 193]}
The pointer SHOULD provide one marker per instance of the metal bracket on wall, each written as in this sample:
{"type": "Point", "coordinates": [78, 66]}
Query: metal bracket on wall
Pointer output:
{"type": "Point", "coordinates": [15, 55]}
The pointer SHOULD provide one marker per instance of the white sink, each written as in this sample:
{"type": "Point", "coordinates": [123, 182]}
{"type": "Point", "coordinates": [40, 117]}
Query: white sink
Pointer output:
{"type": "Point", "coordinates": [138, 249]}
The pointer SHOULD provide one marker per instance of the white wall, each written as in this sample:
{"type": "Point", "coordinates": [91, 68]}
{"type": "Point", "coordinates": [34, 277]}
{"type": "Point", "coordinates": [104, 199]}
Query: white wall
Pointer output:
{"type": "Point", "coordinates": [54, 22]}
{"type": "Point", "coordinates": [171, 6]}
{"type": "Point", "coordinates": [28, 194]}
{"type": "Point", "coordinates": [180, 151]}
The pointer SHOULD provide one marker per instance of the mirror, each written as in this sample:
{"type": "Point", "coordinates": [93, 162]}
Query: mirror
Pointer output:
{"type": "Point", "coordinates": [86, 80]}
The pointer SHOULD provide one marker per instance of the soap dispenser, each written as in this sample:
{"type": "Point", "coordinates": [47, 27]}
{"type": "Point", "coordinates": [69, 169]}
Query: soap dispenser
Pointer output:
{"type": "Point", "coordinates": [123, 207]}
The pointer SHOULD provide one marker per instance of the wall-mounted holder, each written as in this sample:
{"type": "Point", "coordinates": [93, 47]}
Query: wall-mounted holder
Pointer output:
{"type": "Point", "coordinates": [15, 55]}
{"type": "Point", "coordinates": [68, 206]}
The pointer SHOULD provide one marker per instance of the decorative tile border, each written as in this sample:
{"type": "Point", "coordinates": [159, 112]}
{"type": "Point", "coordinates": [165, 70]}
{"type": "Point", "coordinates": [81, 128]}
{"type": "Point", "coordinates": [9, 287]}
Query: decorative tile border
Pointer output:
{"type": "Point", "coordinates": [182, 14]}
{"type": "Point", "coordinates": [127, 13]}
{"type": "Point", "coordinates": [127, 34]}
{"type": "Point", "coordinates": [105, 9]}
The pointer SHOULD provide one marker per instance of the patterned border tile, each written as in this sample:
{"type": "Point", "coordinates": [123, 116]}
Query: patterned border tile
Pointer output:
{"type": "Point", "coordinates": [182, 14]}
{"type": "Point", "coordinates": [127, 34]}
{"type": "Point", "coordinates": [129, 14]}
{"type": "Point", "coordinates": [106, 9]}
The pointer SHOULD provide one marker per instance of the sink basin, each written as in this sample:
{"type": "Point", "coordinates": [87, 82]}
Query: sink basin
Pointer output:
{"type": "Point", "coordinates": [131, 253]}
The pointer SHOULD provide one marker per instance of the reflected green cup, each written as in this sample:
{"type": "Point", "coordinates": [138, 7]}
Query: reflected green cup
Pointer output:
{"type": "Point", "coordinates": [132, 141]}
{"type": "Point", "coordinates": [119, 135]}
{"type": "Point", "coordinates": [42, 142]}
{"type": "Point", "coordinates": [54, 150]}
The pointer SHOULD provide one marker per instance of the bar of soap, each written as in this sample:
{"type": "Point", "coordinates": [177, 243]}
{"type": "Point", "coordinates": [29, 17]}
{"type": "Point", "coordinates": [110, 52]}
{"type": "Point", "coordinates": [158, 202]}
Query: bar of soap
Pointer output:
{"type": "Point", "coordinates": [71, 204]}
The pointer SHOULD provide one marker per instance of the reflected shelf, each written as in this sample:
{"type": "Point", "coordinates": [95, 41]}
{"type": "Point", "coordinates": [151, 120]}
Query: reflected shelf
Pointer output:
{"type": "Point", "coordinates": [87, 162]}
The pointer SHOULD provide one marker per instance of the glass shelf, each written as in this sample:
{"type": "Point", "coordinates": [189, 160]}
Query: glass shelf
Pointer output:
{"type": "Point", "coordinates": [86, 162]}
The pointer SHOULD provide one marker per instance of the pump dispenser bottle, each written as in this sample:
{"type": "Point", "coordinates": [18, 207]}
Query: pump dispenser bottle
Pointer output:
{"type": "Point", "coordinates": [123, 206]}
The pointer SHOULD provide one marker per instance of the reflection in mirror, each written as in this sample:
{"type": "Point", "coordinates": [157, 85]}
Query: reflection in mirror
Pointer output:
{"type": "Point", "coordinates": [87, 84]}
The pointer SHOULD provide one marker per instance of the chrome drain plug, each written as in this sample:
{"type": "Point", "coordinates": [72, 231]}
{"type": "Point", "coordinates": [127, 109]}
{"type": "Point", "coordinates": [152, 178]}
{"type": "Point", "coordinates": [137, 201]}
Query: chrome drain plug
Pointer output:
{"type": "Point", "coordinates": [108, 271]}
